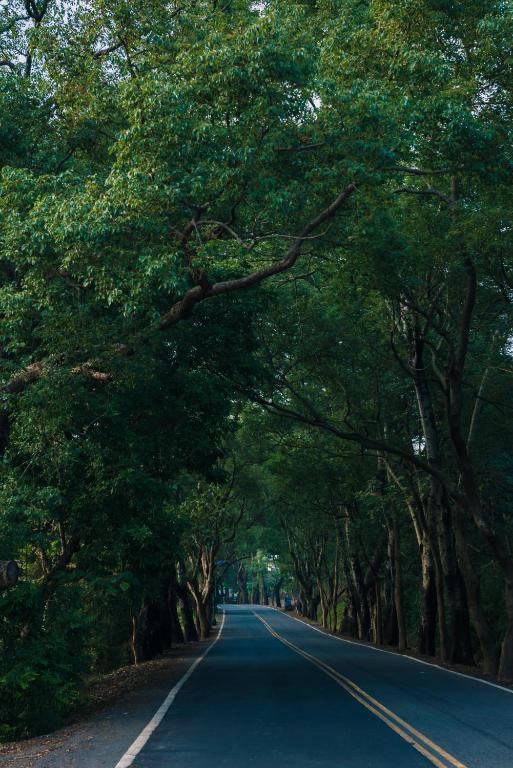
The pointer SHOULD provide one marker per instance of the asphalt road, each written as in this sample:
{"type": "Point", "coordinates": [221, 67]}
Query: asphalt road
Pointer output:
{"type": "Point", "coordinates": [275, 692]}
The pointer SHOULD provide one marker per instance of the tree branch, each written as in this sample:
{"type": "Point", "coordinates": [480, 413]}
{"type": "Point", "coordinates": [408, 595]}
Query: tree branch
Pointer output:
{"type": "Point", "coordinates": [428, 191]}
{"type": "Point", "coordinates": [356, 437]}
{"type": "Point", "coordinates": [198, 293]}
{"type": "Point", "coordinates": [108, 49]}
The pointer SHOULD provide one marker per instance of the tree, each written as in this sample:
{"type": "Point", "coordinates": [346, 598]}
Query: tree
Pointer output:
{"type": "Point", "coordinates": [211, 519]}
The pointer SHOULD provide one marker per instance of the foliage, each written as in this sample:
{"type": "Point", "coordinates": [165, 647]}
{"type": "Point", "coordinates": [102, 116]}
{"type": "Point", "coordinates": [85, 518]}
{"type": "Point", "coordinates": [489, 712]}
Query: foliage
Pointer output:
{"type": "Point", "coordinates": [255, 286]}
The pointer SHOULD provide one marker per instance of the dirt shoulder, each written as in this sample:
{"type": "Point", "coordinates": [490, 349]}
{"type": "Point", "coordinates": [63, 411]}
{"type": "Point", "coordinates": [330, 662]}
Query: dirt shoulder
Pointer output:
{"type": "Point", "coordinates": [119, 705]}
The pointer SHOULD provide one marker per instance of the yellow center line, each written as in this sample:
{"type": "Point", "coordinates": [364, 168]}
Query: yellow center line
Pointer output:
{"type": "Point", "coordinates": [433, 752]}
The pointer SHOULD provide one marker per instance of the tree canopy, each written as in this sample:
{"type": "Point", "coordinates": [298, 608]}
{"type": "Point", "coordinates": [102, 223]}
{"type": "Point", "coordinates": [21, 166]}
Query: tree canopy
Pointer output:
{"type": "Point", "coordinates": [256, 279]}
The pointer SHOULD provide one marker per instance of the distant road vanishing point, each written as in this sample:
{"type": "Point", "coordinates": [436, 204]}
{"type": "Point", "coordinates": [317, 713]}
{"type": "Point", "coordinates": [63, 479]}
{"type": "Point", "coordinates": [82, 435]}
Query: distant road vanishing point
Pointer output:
{"type": "Point", "coordinates": [273, 691]}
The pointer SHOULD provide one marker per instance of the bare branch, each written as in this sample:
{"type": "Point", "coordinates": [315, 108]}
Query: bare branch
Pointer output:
{"type": "Point", "coordinates": [108, 49]}
{"type": "Point", "coordinates": [27, 376]}
{"type": "Point", "coordinates": [198, 293]}
{"type": "Point", "coordinates": [89, 371]}
{"type": "Point", "coordinates": [301, 147]}
{"type": "Point", "coordinates": [356, 437]}
{"type": "Point", "coordinates": [429, 191]}
{"type": "Point", "coordinates": [203, 290]}
{"type": "Point", "coordinates": [417, 171]}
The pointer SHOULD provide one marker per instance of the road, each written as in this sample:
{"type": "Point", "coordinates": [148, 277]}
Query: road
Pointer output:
{"type": "Point", "coordinates": [275, 692]}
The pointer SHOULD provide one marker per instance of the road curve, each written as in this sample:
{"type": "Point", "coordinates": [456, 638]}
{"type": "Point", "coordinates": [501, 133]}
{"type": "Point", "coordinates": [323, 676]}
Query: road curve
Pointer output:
{"type": "Point", "coordinates": [275, 692]}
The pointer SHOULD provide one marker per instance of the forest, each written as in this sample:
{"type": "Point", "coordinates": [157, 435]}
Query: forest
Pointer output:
{"type": "Point", "coordinates": [256, 285]}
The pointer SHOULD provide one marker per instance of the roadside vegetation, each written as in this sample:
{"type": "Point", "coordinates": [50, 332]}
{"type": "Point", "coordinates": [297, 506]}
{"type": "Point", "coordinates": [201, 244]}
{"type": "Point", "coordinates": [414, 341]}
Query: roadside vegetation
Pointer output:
{"type": "Point", "coordinates": [256, 283]}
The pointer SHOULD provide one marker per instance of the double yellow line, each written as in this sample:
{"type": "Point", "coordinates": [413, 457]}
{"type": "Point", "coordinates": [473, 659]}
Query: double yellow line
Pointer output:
{"type": "Point", "coordinates": [431, 751]}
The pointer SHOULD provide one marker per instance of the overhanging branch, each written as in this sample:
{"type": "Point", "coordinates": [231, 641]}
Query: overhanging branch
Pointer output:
{"type": "Point", "coordinates": [184, 306]}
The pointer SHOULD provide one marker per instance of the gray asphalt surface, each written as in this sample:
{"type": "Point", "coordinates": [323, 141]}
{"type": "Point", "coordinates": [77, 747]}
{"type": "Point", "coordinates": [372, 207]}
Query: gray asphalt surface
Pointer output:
{"type": "Point", "coordinates": [99, 740]}
{"type": "Point", "coordinates": [253, 701]}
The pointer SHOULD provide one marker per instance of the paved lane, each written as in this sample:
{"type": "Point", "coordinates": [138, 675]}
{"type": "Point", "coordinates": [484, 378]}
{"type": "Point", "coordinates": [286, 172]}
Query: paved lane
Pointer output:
{"type": "Point", "coordinates": [255, 701]}
{"type": "Point", "coordinates": [470, 720]}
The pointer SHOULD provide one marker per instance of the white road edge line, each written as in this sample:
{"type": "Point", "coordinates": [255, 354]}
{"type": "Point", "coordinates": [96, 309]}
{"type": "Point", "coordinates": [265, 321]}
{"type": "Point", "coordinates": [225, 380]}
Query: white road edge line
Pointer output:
{"type": "Point", "coordinates": [136, 746]}
{"type": "Point", "coordinates": [392, 653]}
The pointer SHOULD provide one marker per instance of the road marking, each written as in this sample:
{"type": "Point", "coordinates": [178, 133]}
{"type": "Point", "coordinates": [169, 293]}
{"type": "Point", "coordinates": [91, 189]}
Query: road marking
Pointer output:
{"type": "Point", "coordinates": [136, 746]}
{"type": "Point", "coordinates": [394, 653]}
{"type": "Point", "coordinates": [431, 751]}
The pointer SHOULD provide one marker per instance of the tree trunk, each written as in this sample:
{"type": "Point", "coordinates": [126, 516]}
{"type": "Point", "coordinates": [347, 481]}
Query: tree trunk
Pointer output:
{"type": "Point", "coordinates": [4, 431]}
{"type": "Point", "coordinates": [335, 585]}
{"type": "Point", "coordinates": [479, 621]}
{"type": "Point", "coordinates": [378, 621]}
{"type": "Point", "coordinates": [264, 597]}
{"type": "Point", "coordinates": [202, 620]}
{"type": "Point", "coordinates": [350, 617]}
{"type": "Point", "coordinates": [202, 604]}
{"type": "Point", "coordinates": [359, 590]}
{"type": "Point", "coordinates": [312, 606]}
{"type": "Point", "coordinates": [323, 603]}
{"type": "Point", "coordinates": [459, 650]}
{"type": "Point", "coordinates": [391, 624]}
{"type": "Point", "coordinates": [431, 584]}
{"type": "Point", "coordinates": [398, 588]}
{"type": "Point", "coordinates": [454, 624]}
{"type": "Point", "coordinates": [138, 637]}
{"type": "Point", "coordinates": [134, 642]}
{"type": "Point", "coordinates": [430, 571]}
{"type": "Point", "coordinates": [242, 582]}
{"type": "Point", "coordinates": [210, 612]}
{"type": "Point", "coordinates": [9, 574]}
{"type": "Point", "coordinates": [255, 594]}
{"type": "Point", "coordinates": [189, 627]}
{"type": "Point", "coordinates": [174, 621]}
{"type": "Point", "coordinates": [158, 628]}
{"type": "Point", "coordinates": [506, 658]}
{"type": "Point", "coordinates": [391, 634]}
{"type": "Point", "coordinates": [428, 601]}
{"type": "Point", "coordinates": [277, 593]}
{"type": "Point", "coordinates": [348, 625]}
